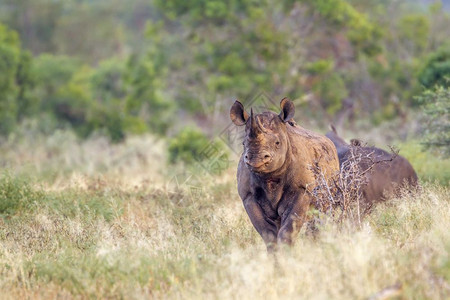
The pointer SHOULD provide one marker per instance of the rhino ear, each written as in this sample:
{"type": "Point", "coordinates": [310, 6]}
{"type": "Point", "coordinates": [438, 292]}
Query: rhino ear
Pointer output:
{"type": "Point", "coordinates": [287, 110]}
{"type": "Point", "coordinates": [356, 142]}
{"type": "Point", "coordinates": [237, 114]}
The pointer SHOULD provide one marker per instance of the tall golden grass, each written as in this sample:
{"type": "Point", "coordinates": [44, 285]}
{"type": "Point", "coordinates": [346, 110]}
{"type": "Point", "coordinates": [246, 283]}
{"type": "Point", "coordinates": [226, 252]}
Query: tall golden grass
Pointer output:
{"type": "Point", "coordinates": [104, 221]}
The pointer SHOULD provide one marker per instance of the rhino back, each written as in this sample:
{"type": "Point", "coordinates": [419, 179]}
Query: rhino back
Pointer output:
{"type": "Point", "coordinates": [386, 172]}
{"type": "Point", "coordinates": [313, 149]}
{"type": "Point", "coordinates": [341, 146]}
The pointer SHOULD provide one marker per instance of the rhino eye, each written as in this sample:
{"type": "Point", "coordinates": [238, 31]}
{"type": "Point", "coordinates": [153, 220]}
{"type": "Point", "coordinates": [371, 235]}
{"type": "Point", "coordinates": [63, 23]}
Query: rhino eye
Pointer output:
{"type": "Point", "coordinates": [277, 143]}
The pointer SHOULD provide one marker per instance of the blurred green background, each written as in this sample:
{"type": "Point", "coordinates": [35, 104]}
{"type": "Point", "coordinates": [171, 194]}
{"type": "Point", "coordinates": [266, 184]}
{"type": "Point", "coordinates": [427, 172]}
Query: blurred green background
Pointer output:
{"type": "Point", "coordinates": [120, 68]}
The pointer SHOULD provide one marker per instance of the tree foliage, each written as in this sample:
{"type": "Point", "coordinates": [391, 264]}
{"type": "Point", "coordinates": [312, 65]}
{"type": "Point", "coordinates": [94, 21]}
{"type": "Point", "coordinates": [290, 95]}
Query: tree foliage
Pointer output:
{"type": "Point", "coordinates": [436, 104]}
{"type": "Point", "coordinates": [190, 145]}
{"type": "Point", "coordinates": [131, 67]}
{"type": "Point", "coordinates": [15, 80]}
{"type": "Point", "coordinates": [362, 33]}
{"type": "Point", "coordinates": [437, 68]}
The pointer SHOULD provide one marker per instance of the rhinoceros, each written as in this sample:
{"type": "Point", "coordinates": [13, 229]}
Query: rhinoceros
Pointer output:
{"type": "Point", "coordinates": [386, 172]}
{"type": "Point", "coordinates": [275, 175]}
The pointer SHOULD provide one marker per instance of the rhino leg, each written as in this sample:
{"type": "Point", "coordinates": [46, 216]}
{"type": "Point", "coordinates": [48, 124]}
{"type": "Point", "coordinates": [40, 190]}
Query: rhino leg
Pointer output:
{"type": "Point", "coordinates": [293, 218]}
{"type": "Point", "coordinates": [266, 227]}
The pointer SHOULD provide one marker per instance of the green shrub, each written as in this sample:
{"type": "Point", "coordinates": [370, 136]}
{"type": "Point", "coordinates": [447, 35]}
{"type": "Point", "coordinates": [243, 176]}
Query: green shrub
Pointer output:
{"type": "Point", "coordinates": [16, 195]}
{"type": "Point", "coordinates": [187, 145]}
{"type": "Point", "coordinates": [107, 80]}
{"type": "Point", "coordinates": [414, 30]}
{"type": "Point", "coordinates": [83, 98]}
{"type": "Point", "coordinates": [145, 99]}
{"type": "Point", "coordinates": [322, 66]}
{"type": "Point", "coordinates": [15, 79]}
{"type": "Point", "coordinates": [329, 85]}
{"type": "Point", "coordinates": [63, 91]}
{"type": "Point", "coordinates": [190, 145]}
{"type": "Point", "coordinates": [436, 69]}
{"type": "Point", "coordinates": [436, 104]}
{"type": "Point", "coordinates": [109, 119]}
{"type": "Point", "coordinates": [428, 166]}
{"type": "Point", "coordinates": [54, 71]}
{"type": "Point", "coordinates": [332, 91]}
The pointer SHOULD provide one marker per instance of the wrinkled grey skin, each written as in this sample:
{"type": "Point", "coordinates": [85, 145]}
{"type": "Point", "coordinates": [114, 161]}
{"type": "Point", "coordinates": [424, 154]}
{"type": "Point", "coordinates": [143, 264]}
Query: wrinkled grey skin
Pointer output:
{"type": "Point", "coordinates": [274, 173]}
{"type": "Point", "coordinates": [388, 175]}
{"type": "Point", "coordinates": [341, 146]}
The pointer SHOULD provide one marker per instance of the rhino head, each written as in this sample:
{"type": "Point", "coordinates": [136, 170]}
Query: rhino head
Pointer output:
{"type": "Point", "coordinates": [341, 146]}
{"type": "Point", "coordinates": [266, 142]}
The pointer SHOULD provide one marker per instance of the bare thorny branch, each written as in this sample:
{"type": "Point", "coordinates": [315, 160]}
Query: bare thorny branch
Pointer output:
{"type": "Point", "coordinates": [341, 197]}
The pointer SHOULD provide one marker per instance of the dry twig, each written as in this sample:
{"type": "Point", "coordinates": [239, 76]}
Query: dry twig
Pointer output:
{"type": "Point", "coordinates": [341, 197]}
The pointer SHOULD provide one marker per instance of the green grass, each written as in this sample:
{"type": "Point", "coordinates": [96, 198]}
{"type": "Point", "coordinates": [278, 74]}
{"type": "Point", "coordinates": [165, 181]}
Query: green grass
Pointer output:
{"type": "Point", "coordinates": [113, 236]}
{"type": "Point", "coordinates": [18, 197]}
{"type": "Point", "coordinates": [142, 243]}
{"type": "Point", "coordinates": [428, 165]}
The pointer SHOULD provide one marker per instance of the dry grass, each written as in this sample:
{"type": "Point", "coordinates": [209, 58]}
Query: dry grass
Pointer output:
{"type": "Point", "coordinates": [61, 161]}
{"type": "Point", "coordinates": [112, 236]}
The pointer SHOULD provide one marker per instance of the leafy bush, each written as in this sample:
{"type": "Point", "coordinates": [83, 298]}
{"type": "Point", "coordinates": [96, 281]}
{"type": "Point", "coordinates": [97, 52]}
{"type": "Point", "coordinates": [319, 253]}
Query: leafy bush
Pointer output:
{"type": "Point", "coordinates": [61, 98]}
{"type": "Point", "coordinates": [414, 31]}
{"type": "Point", "coordinates": [436, 103]}
{"type": "Point", "coordinates": [84, 98]}
{"type": "Point", "coordinates": [192, 56]}
{"type": "Point", "coordinates": [145, 99]}
{"type": "Point", "coordinates": [327, 84]}
{"type": "Point", "coordinates": [109, 119]}
{"type": "Point", "coordinates": [15, 79]}
{"type": "Point", "coordinates": [436, 69]}
{"type": "Point", "coordinates": [362, 33]}
{"type": "Point", "coordinates": [15, 195]}
{"type": "Point", "coordinates": [320, 67]}
{"type": "Point", "coordinates": [190, 145]}
{"type": "Point", "coordinates": [332, 90]}
{"type": "Point", "coordinates": [54, 72]}
{"type": "Point", "coordinates": [108, 91]}
{"type": "Point", "coordinates": [107, 81]}
{"type": "Point", "coordinates": [73, 102]}
{"type": "Point", "coordinates": [427, 165]}
{"type": "Point", "coordinates": [187, 145]}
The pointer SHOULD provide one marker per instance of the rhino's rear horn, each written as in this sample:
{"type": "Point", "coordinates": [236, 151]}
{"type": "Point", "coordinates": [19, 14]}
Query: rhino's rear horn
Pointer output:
{"type": "Point", "coordinates": [333, 128]}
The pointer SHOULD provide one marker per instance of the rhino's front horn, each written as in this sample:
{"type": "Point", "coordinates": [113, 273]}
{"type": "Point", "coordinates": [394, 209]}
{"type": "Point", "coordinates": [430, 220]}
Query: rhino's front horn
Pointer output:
{"type": "Point", "coordinates": [254, 128]}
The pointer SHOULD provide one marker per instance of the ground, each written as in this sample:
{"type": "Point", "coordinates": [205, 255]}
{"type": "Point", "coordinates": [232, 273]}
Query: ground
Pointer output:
{"type": "Point", "coordinates": [95, 220]}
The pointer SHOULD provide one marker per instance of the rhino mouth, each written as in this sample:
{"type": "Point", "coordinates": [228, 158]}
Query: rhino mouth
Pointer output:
{"type": "Point", "coordinates": [259, 167]}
